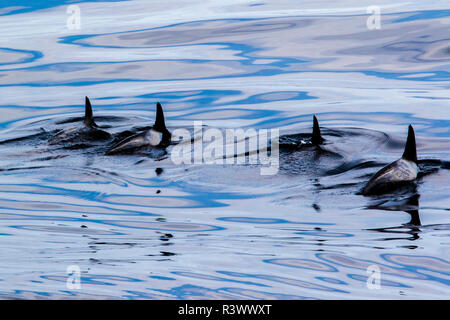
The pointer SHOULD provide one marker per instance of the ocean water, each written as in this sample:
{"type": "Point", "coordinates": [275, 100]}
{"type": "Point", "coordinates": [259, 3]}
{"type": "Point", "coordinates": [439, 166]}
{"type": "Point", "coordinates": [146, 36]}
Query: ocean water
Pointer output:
{"type": "Point", "coordinates": [128, 230]}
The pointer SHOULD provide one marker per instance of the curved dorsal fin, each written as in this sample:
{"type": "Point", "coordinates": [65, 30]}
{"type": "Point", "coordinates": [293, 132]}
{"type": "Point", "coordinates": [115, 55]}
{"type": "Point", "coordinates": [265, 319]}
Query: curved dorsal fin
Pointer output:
{"type": "Point", "coordinates": [410, 152]}
{"type": "Point", "coordinates": [160, 124]}
{"type": "Point", "coordinates": [88, 116]}
{"type": "Point", "coordinates": [316, 136]}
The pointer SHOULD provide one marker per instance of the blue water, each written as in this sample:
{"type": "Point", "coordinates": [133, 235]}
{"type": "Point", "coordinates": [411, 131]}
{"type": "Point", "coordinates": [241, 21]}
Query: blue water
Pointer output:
{"type": "Point", "coordinates": [224, 231]}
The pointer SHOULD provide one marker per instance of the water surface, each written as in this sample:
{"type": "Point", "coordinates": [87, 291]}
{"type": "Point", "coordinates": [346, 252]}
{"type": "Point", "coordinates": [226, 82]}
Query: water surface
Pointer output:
{"type": "Point", "coordinates": [224, 231]}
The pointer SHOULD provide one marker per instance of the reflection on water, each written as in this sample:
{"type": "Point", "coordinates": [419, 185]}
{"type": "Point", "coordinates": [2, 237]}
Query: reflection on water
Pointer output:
{"type": "Point", "coordinates": [410, 206]}
{"type": "Point", "coordinates": [141, 227]}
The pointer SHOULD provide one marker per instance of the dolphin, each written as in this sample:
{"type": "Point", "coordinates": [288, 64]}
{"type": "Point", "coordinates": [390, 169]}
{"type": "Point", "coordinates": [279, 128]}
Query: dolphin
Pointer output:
{"type": "Point", "coordinates": [157, 136]}
{"type": "Point", "coordinates": [89, 131]}
{"type": "Point", "coordinates": [399, 173]}
{"type": "Point", "coordinates": [298, 141]}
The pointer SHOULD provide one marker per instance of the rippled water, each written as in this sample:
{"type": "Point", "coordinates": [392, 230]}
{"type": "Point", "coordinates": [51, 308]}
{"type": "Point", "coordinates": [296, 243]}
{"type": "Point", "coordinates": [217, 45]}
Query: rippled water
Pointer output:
{"type": "Point", "coordinates": [224, 231]}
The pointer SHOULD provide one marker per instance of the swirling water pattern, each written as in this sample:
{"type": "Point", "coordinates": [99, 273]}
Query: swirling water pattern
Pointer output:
{"type": "Point", "coordinates": [213, 231]}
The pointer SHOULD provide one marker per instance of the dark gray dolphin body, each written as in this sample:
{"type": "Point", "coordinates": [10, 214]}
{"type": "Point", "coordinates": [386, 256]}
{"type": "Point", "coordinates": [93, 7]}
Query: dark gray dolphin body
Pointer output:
{"type": "Point", "coordinates": [158, 136]}
{"type": "Point", "coordinates": [398, 173]}
{"type": "Point", "coordinates": [89, 130]}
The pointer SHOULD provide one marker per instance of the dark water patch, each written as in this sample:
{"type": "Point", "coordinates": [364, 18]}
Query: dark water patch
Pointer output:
{"type": "Point", "coordinates": [23, 168]}
{"type": "Point", "coordinates": [77, 146]}
{"type": "Point", "coordinates": [430, 166]}
{"type": "Point", "coordinates": [408, 203]}
{"type": "Point", "coordinates": [49, 158]}
{"type": "Point", "coordinates": [96, 243]}
{"type": "Point", "coordinates": [163, 254]}
{"type": "Point", "coordinates": [396, 202]}
{"type": "Point", "coordinates": [166, 237]}
{"type": "Point", "coordinates": [353, 165]}
{"type": "Point", "coordinates": [409, 231]}
{"type": "Point", "coordinates": [40, 136]}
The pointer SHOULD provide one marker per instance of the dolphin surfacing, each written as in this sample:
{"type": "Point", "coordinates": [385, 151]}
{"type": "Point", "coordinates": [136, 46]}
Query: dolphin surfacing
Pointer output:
{"type": "Point", "coordinates": [399, 173]}
{"type": "Point", "coordinates": [300, 141]}
{"type": "Point", "coordinates": [158, 136]}
{"type": "Point", "coordinates": [89, 131]}
{"type": "Point", "coordinates": [316, 138]}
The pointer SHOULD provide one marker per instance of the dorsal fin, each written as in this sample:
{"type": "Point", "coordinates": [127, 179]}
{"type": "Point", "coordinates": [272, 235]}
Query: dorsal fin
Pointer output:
{"type": "Point", "coordinates": [316, 136]}
{"type": "Point", "coordinates": [160, 124]}
{"type": "Point", "coordinates": [410, 152]}
{"type": "Point", "coordinates": [88, 116]}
